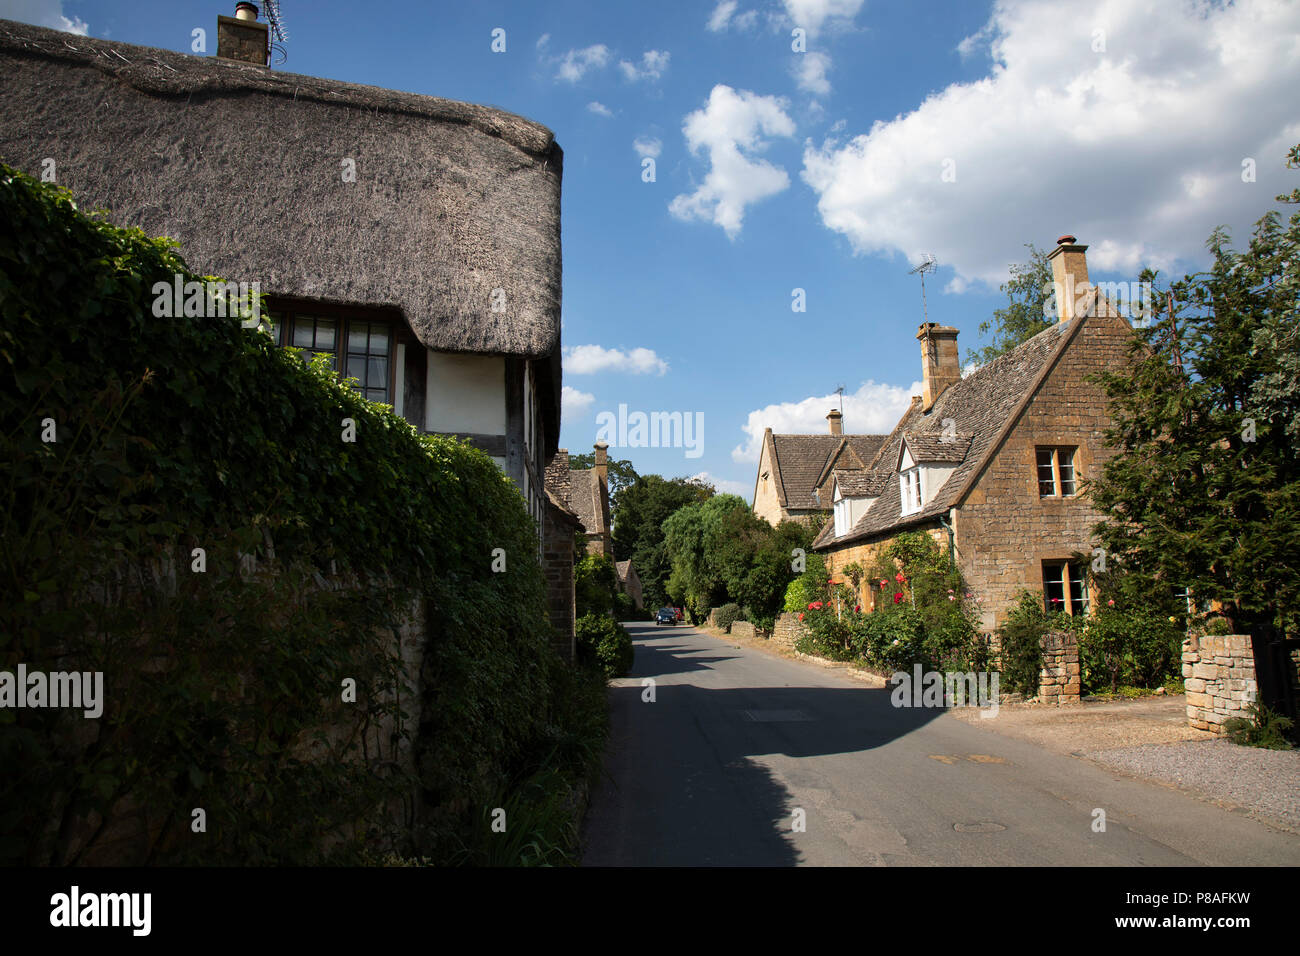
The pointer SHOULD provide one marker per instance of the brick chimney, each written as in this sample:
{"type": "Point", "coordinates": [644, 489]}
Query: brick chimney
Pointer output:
{"type": "Point", "coordinates": [1069, 275]}
{"type": "Point", "coordinates": [242, 37]}
{"type": "Point", "coordinates": [837, 421]}
{"type": "Point", "coordinates": [602, 463]}
{"type": "Point", "coordinates": [940, 364]}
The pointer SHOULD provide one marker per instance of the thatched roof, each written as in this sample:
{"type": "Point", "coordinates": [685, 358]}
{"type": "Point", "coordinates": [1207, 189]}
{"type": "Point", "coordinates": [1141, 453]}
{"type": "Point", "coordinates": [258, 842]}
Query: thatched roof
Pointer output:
{"type": "Point", "coordinates": [243, 166]}
{"type": "Point", "coordinates": [984, 405]}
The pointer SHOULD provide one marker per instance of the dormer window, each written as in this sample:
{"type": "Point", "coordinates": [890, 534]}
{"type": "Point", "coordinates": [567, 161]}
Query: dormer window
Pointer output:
{"type": "Point", "coordinates": [909, 484]}
{"type": "Point", "coordinates": [841, 517]}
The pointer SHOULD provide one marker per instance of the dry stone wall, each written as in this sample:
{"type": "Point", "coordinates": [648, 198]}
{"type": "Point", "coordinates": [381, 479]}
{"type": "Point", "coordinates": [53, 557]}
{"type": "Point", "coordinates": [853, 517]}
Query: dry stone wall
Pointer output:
{"type": "Point", "coordinates": [1219, 677]}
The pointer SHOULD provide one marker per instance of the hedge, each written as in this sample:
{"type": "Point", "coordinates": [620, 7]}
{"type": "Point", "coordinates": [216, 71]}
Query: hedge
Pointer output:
{"type": "Point", "coordinates": [174, 434]}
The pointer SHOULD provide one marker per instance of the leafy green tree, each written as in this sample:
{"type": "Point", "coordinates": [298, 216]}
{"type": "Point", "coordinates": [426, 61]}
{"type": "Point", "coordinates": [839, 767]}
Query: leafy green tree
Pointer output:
{"type": "Point", "coordinates": [1204, 491]}
{"type": "Point", "coordinates": [639, 515]}
{"type": "Point", "coordinates": [691, 535]}
{"type": "Point", "coordinates": [1025, 314]}
{"type": "Point", "coordinates": [595, 585]}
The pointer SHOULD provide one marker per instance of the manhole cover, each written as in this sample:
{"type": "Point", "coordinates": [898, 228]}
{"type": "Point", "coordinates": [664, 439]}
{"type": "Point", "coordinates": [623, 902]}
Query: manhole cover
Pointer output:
{"type": "Point", "coordinates": [775, 716]}
{"type": "Point", "coordinates": [978, 827]}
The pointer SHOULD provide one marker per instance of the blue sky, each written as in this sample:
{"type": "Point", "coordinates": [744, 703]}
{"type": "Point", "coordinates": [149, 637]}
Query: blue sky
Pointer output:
{"type": "Point", "coordinates": [961, 129]}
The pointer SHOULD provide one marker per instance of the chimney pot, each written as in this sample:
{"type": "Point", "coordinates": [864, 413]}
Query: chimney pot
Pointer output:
{"type": "Point", "coordinates": [940, 362]}
{"type": "Point", "coordinates": [836, 420]}
{"type": "Point", "coordinates": [1069, 276]}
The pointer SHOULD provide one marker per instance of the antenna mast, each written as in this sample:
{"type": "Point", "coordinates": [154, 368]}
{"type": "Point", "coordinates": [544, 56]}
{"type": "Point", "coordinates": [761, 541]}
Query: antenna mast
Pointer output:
{"type": "Point", "coordinates": [279, 35]}
{"type": "Point", "coordinates": [928, 264]}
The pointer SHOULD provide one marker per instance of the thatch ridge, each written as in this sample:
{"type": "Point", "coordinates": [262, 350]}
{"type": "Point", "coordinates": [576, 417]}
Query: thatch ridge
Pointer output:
{"type": "Point", "coordinates": [167, 73]}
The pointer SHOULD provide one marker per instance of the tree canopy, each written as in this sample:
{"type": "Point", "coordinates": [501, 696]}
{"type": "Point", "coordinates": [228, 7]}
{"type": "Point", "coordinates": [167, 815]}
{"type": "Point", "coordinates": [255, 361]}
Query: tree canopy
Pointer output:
{"type": "Point", "coordinates": [1204, 492]}
{"type": "Point", "coordinates": [639, 515]}
{"type": "Point", "coordinates": [1025, 314]}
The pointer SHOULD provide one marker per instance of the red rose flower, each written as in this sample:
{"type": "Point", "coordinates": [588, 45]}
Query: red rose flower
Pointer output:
{"type": "Point", "coordinates": [899, 577]}
{"type": "Point", "coordinates": [857, 607]}
{"type": "Point", "coordinates": [898, 596]}
{"type": "Point", "coordinates": [801, 615]}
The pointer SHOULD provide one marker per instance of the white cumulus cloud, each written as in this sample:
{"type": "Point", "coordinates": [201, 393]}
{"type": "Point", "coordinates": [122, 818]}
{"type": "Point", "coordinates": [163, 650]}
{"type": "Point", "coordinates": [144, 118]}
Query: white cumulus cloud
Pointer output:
{"type": "Point", "coordinates": [575, 64]}
{"type": "Point", "coordinates": [724, 16]}
{"type": "Point", "coordinates": [574, 402]}
{"type": "Point", "coordinates": [43, 13]}
{"type": "Point", "coordinates": [653, 65]}
{"type": "Point", "coordinates": [874, 409]}
{"type": "Point", "coordinates": [731, 127]}
{"type": "Point", "coordinates": [590, 359]}
{"type": "Point", "coordinates": [600, 109]}
{"type": "Point", "coordinates": [648, 146]}
{"type": "Point", "coordinates": [1124, 124]}
{"type": "Point", "coordinates": [810, 71]}
{"type": "Point", "coordinates": [812, 15]}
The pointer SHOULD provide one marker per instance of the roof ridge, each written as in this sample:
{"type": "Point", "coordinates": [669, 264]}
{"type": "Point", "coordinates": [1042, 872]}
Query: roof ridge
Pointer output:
{"type": "Point", "coordinates": [162, 72]}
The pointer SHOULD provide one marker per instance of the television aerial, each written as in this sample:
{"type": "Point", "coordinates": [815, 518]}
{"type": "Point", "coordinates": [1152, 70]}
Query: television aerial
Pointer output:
{"type": "Point", "coordinates": [279, 35]}
{"type": "Point", "coordinates": [928, 264]}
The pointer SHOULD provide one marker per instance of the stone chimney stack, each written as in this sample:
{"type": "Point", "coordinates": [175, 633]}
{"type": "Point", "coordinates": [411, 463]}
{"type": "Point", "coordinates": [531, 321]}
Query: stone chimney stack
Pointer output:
{"type": "Point", "coordinates": [242, 37]}
{"type": "Point", "coordinates": [602, 463]}
{"type": "Point", "coordinates": [837, 421]}
{"type": "Point", "coordinates": [940, 364]}
{"type": "Point", "coordinates": [1069, 275]}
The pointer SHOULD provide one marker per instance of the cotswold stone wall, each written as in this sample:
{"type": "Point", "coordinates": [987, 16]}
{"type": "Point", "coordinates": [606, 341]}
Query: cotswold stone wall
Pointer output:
{"type": "Point", "coordinates": [742, 629]}
{"type": "Point", "coordinates": [787, 630]}
{"type": "Point", "coordinates": [1004, 530]}
{"type": "Point", "coordinates": [1219, 676]}
{"type": "Point", "coordinates": [1059, 680]}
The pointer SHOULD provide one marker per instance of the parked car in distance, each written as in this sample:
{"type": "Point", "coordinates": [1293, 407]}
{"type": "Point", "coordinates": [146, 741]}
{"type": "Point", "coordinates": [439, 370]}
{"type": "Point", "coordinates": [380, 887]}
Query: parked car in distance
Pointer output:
{"type": "Point", "coordinates": [666, 615]}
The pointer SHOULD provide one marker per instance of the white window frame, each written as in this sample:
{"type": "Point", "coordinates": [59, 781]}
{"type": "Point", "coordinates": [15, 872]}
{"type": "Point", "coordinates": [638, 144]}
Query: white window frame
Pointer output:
{"type": "Point", "coordinates": [909, 479]}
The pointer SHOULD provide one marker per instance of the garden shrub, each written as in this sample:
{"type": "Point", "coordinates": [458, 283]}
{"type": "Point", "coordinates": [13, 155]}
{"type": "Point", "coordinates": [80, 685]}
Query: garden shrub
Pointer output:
{"type": "Point", "coordinates": [1021, 635]}
{"type": "Point", "coordinates": [604, 643]}
{"type": "Point", "coordinates": [1135, 647]}
{"type": "Point", "coordinates": [595, 585]}
{"type": "Point", "coordinates": [724, 616]}
{"type": "Point", "coordinates": [175, 434]}
{"type": "Point", "coordinates": [1264, 728]}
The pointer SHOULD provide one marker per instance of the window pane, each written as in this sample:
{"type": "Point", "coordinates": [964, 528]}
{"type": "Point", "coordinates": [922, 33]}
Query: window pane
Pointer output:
{"type": "Point", "coordinates": [1077, 593]}
{"type": "Point", "coordinates": [358, 332]}
{"type": "Point", "coordinates": [302, 332]}
{"type": "Point", "coordinates": [1053, 587]}
{"type": "Point", "coordinates": [357, 368]}
{"type": "Point", "coordinates": [378, 339]}
{"type": "Point", "coordinates": [1046, 480]}
{"type": "Point", "coordinates": [325, 334]}
{"type": "Point", "coordinates": [378, 377]}
{"type": "Point", "coordinates": [1067, 470]}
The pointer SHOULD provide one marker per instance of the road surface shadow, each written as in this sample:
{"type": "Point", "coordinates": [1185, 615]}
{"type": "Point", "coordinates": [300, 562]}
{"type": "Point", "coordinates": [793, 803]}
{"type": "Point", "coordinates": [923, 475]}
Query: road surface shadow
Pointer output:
{"type": "Point", "coordinates": [683, 785]}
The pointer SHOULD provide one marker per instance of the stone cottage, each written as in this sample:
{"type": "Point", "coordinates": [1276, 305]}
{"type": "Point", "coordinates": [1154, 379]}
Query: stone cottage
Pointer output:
{"type": "Point", "coordinates": [585, 491]}
{"type": "Point", "coordinates": [629, 582]}
{"type": "Point", "coordinates": [795, 471]}
{"type": "Point", "coordinates": [991, 465]}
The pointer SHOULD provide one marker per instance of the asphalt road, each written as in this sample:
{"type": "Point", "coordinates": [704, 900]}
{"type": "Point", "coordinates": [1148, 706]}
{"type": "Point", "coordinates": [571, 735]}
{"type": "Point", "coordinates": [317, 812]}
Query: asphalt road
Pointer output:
{"type": "Point", "coordinates": [715, 772]}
